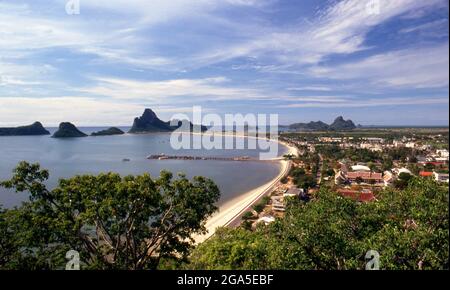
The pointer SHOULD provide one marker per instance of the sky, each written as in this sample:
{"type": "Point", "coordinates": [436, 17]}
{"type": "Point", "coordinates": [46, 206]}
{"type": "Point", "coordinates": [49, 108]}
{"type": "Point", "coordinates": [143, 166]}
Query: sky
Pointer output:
{"type": "Point", "coordinates": [377, 62]}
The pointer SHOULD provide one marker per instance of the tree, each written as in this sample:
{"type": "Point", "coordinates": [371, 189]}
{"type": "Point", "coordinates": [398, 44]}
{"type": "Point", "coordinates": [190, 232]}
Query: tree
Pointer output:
{"type": "Point", "coordinates": [330, 172]}
{"type": "Point", "coordinates": [359, 180]}
{"type": "Point", "coordinates": [403, 180]}
{"type": "Point", "coordinates": [412, 159]}
{"type": "Point", "coordinates": [248, 216]}
{"type": "Point", "coordinates": [259, 207]}
{"type": "Point", "coordinates": [429, 167]}
{"type": "Point", "coordinates": [372, 166]}
{"type": "Point", "coordinates": [414, 168]}
{"type": "Point", "coordinates": [305, 181]}
{"type": "Point", "coordinates": [409, 228]}
{"type": "Point", "coordinates": [387, 164]}
{"type": "Point", "coordinates": [114, 222]}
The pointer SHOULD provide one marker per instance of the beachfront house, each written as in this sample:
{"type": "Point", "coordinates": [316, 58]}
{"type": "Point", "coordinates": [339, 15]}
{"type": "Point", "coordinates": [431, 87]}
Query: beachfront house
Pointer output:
{"type": "Point", "coordinates": [278, 203]}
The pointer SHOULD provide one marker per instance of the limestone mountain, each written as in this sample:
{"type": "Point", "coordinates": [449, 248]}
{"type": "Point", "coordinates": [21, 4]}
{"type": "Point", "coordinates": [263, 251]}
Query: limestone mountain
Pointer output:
{"type": "Point", "coordinates": [149, 122]}
{"type": "Point", "coordinates": [34, 129]}
{"type": "Point", "coordinates": [340, 124]}
{"type": "Point", "coordinates": [68, 130]}
{"type": "Point", "coordinates": [108, 132]}
{"type": "Point", "coordinates": [311, 126]}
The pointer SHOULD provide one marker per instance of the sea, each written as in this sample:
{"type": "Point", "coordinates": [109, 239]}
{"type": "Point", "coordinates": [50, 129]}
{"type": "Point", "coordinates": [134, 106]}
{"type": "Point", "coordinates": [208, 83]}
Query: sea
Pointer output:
{"type": "Point", "coordinates": [127, 154]}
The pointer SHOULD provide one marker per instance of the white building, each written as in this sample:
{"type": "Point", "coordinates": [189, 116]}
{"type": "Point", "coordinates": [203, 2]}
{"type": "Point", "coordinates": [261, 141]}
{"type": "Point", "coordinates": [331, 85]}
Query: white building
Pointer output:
{"type": "Point", "coordinates": [442, 153]}
{"type": "Point", "coordinates": [278, 203]}
{"type": "Point", "coordinates": [360, 168]}
{"type": "Point", "coordinates": [398, 171]}
{"type": "Point", "coordinates": [388, 178]}
{"type": "Point", "coordinates": [398, 144]}
{"type": "Point", "coordinates": [440, 177]}
{"type": "Point", "coordinates": [266, 220]}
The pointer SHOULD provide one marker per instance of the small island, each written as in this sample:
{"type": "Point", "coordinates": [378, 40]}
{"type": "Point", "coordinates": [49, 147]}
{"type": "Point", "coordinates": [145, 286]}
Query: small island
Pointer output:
{"type": "Point", "coordinates": [68, 130]}
{"type": "Point", "coordinates": [109, 132]}
{"type": "Point", "coordinates": [30, 130]}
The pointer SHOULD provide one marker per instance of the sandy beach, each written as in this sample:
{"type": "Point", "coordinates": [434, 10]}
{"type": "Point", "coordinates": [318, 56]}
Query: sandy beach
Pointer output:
{"type": "Point", "coordinates": [231, 210]}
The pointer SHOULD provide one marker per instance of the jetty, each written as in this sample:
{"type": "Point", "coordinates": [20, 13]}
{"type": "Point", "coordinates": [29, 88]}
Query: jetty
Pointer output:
{"type": "Point", "coordinates": [188, 157]}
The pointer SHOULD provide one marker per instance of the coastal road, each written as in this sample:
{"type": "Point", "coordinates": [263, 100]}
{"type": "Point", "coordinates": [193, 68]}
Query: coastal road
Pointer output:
{"type": "Point", "coordinates": [237, 219]}
{"type": "Point", "coordinates": [319, 170]}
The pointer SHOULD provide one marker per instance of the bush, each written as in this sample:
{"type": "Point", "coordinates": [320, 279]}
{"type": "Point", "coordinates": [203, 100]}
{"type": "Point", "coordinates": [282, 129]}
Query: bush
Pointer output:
{"type": "Point", "coordinates": [248, 216]}
{"type": "Point", "coordinates": [409, 228]}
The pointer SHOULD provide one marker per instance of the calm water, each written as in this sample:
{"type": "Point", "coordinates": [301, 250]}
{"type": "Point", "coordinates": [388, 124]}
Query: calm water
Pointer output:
{"type": "Point", "coordinates": [68, 157]}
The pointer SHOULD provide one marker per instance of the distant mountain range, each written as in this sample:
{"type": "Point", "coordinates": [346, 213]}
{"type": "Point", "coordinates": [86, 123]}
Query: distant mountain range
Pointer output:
{"type": "Point", "coordinates": [339, 124]}
{"type": "Point", "coordinates": [149, 122]}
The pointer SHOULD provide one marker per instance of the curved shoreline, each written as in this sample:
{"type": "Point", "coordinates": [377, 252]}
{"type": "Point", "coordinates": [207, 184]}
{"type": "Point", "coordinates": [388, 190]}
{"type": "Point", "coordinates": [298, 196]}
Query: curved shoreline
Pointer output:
{"type": "Point", "coordinates": [232, 210]}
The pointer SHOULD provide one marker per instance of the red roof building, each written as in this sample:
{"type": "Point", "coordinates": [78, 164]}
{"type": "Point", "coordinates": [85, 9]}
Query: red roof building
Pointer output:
{"type": "Point", "coordinates": [365, 176]}
{"type": "Point", "coordinates": [425, 174]}
{"type": "Point", "coordinates": [364, 196]}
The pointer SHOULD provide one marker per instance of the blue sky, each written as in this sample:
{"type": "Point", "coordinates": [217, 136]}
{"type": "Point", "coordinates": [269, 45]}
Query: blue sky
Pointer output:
{"type": "Point", "coordinates": [305, 60]}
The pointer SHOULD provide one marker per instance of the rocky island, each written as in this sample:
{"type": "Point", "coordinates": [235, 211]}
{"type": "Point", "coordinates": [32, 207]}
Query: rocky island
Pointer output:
{"type": "Point", "coordinates": [30, 130]}
{"type": "Point", "coordinates": [109, 132]}
{"type": "Point", "coordinates": [68, 130]}
{"type": "Point", "coordinates": [149, 122]}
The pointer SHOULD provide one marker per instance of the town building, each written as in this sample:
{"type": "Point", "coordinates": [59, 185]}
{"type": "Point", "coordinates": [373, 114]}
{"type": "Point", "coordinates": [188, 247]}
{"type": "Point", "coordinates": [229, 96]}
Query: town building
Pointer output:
{"type": "Point", "coordinates": [441, 177]}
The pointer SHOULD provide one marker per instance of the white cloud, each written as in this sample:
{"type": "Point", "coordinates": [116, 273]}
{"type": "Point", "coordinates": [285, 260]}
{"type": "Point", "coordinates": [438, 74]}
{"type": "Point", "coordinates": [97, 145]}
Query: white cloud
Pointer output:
{"type": "Point", "coordinates": [207, 88]}
{"type": "Point", "coordinates": [24, 32]}
{"type": "Point", "coordinates": [418, 67]}
{"type": "Point", "coordinates": [340, 29]}
{"type": "Point", "coordinates": [12, 74]}
{"type": "Point", "coordinates": [310, 88]}
{"type": "Point", "coordinates": [372, 102]}
{"type": "Point", "coordinates": [438, 26]}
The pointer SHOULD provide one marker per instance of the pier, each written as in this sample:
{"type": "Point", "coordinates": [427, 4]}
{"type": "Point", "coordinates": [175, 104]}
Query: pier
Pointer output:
{"type": "Point", "coordinates": [187, 157]}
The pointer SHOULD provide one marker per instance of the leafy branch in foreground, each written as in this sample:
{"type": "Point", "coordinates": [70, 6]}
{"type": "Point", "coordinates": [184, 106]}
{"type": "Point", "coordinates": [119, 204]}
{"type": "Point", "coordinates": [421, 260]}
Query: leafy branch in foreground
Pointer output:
{"type": "Point", "coordinates": [114, 222]}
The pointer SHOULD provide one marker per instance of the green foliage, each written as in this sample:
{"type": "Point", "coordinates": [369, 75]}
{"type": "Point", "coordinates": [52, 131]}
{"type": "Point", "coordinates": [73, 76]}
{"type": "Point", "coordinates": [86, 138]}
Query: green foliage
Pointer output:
{"type": "Point", "coordinates": [403, 180]}
{"type": "Point", "coordinates": [265, 200]}
{"type": "Point", "coordinates": [387, 164]}
{"type": "Point", "coordinates": [329, 172]}
{"type": "Point", "coordinates": [248, 216]}
{"type": "Point", "coordinates": [246, 224]}
{"type": "Point", "coordinates": [429, 167]}
{"type": "Point", "coordinates": [359, 180]}
{"type": "Point", "coordinates": [301, 179]}
{"type": "Point", "coordinates": [259, 207]}
{"type": "Point", "coordinates": [231, 249]}
{"type": "Point", "coordinates": [409, 229]}
{"type": "Point", "coordinates": [114, 222]}
{"type": "Point", "coordinates": [305, 181]}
